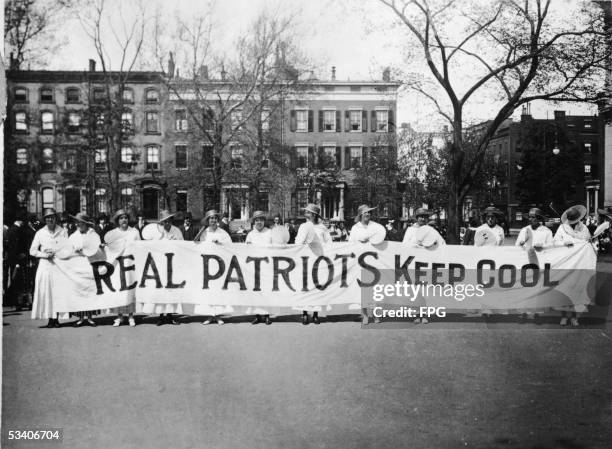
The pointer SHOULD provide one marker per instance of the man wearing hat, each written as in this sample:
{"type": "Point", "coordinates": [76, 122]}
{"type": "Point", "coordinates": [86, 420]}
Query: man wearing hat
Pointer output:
{"type": "Point", "coordinates": [188, 230]}
{"type": "Point", "coordinates": [212, 233]}
{"type": "Point", "coordinates": [572, 231]}
{"type": "Point", "coordinates": [169, 231]}
{"type": "Point", "coordinates": [312, 231]}
{"type": "Point", "coordinates": [17, 244]}
{"type": "Point", "coordinates": [43, 247]}
{"type": "Point", "coordinates": [422, 234]}
{"type": "Point", "coordinates": [260, 235]}
{"type": "Point", "coordinates": [491, 215]}
{"type": "Point", "coordinates": [366, 229]}
{"type": "Point", "coordinates": [541, 235]}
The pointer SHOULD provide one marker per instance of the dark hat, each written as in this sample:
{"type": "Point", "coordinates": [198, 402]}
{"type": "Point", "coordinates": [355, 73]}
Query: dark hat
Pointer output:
{"type": "Point", "coordinates": [83, 218]}
{"type": "Point", "coordinates": [187, 215]}
{"type": "Point", "coordinates": [492, 211]}
{"type": "Point", "coordinates": [49, 212]}
{"type": "Point", "coordinates": [362, 210]}
{"type": "Point", "coordinates": [210, 213]}
{"type": "Point", "coordinates": [422, 211]}
{"type": "Point", "coordinates": [605, 212]}
{"type": "Point", "coordinates": [574, 214]}
{"type": "Point", "coordinates": [103, 216]}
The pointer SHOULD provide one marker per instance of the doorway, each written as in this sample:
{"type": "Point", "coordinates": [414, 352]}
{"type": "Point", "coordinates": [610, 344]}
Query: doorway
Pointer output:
{"type": "Point", "coordinates": [150, 204]}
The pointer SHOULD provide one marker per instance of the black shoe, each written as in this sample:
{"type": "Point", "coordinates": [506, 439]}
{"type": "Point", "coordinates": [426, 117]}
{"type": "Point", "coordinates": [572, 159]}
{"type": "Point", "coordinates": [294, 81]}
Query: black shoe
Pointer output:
{"type": "Point", "coordinates": [161, 321]}
{"type": "Point", "coordinates": [257, 320]}
{"type": "Point", "coordinates": [79, 323]}
{"type": "Point", "coordinates": [56, 324]}
{"type": "Point", "coordinates": [305, 319]}
{"type": "Point", "coordinates": [268, 320]}
{"type": "Point", "coordinates": [91, 322]}
{"type": "Point", "coordinates": [173, 321]}
{"type": "Point", "coordinates": [49, 325]}
{"type": "Point", "coordinates": [315, 319]}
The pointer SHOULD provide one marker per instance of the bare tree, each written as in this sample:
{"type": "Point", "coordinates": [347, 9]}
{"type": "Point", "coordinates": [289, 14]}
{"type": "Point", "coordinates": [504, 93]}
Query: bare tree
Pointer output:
{"type": "Point", "coordinates": [519, 51]}
{"type": "Point", "coordinates": [29, 27]}
{"type": "Point", "coordinates": [108, 125]}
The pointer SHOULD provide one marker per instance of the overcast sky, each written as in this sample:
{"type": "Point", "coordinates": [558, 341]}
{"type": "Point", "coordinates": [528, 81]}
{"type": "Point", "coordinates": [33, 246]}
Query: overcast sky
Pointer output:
{"type": "Point", "coordinates": [355, 36]}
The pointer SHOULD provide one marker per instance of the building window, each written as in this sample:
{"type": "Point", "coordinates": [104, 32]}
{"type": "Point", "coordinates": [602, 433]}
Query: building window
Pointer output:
{"type": "Point", "coordinates": [302, 157]}
{"type": "Point", "coordinates": [265, 162]}
{"type": "Point", "coordinates": [302, 200]}
{"type": "Point", "coordinates": [236, 118]}
{"type": "Point", "coordinates": [263, 202]}
{"type": "Point", "coordinates": [588, 147]}
{"type": "Point", "coordinates": [180, 120]}
{"type": "Point", "coordinates": [98, 95]}
{"type": "Point", "coordinates": [356, 157]}
{"type": "Point", "coordinates": [588, 124]}
{"type": "Point", "coordinates": [47, 159]}
{"type": "Point", "coordinates": [21, 121]}
{"type": "Point", "coordinates": [181, 200]}
{"type": "Point", "coordinates": [153, 158]}
{"type": "Point", "coordinates": [127, 95]}
{"type": "Point", "coordinates": [265, 119]}
{"type": "Point", "coordinates": [152, 119]}
{"type": "Point", "coordinates": [151, 96]}
{"type": "Point", "coordinates": [587, 168]}
{"type": "Point", "coordinates": [21, 95]}
{"type": "Point", "coordinates": [236, 156]}
{"type": "Point", "coordinates": [329, 155]}
{"type": "Point", "coordinates": [48, 198]}
{"type": "Point", "coordinates": [100, 195]}
{"type": "Point", "coordinates": [73, 95]}
{"type": "Point", "coordinates": [126, 197]}
{"type": "Point", "coordinates": [207, 156]}
{"type": "Point", "coordinates": [100, 158]}
{"type": "Point", "coordinates": [127, 122]}
{"type": "Point", "coordinates": [70, 161]}
{"type": "Point", "coordinates": [46, 95]}
{"type": "Point", "coordinates": [302, 120]}
{"type": "Point", "coordinates": [21, 156]}
{"type": "Point", "coordinates": [382, 121]}
{"type": "Point", "coordinates": [181, 156]}
{"type": "Point", "coordinates": [47, 122]}
{"type": "Point", "coordinates": [355, 120]}
{"type": "Point", "coordinates": [329, 120]}
{"type": "Point", "coordinates": [74, 122]}
{"type": "Point", "coordinates": [127, 156]}
{"type": "Point", "coordinates": [208, 119]}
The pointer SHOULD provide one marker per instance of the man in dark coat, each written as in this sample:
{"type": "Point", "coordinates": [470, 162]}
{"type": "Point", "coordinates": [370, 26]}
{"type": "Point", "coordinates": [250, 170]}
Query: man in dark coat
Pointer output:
{"type": "Point", "coordinates": [187, 228]}
{"type": "Point", "coordinates": [103, 226]}
{"type": "Point", "coordinates": [18, 240]}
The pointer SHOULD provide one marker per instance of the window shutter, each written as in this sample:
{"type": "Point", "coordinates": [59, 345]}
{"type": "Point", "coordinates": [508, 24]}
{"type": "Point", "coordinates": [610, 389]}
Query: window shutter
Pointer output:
{"type": "Point", "coordinates": [338, 121]}
{"type": "Point", "coordinates": [347, 158]}
{"type": "Point", "coordinates": [293, 122]}
{"type": "Point", "coordinates": [365, 156]}
{"type": "Point", "coordinates": [339, 157]}
{"type": "Point", "coordinates": [311, 157]}
{"type": "Point", "coordinates": [391, 121]}
{"type": "Point", "coordinates": [310, 120]}
{"type": "Point", "coordinates": [293, 158]}
{"type": "Point", "coordinates": [364, 121]}
{"type": "Point", "coordinates": [322, 162]}
{"type": "Point", "coordinates": [347, 121]}
{"type": "Point", "coordinates": [320, 121]}
{"type": "Point", "coordinates": [373, 121]}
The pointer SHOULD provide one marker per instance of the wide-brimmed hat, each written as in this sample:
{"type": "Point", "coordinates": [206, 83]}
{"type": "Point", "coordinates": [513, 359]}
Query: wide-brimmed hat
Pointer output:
{"type": "Point", "coordinates": [492, 210]}
{"type": "Point", "coordinates": [574, 214]}
{"type": "Point", "coordinates": [165, 215]}
{"type": "Point", "coordinates": [362, 210]}
{"type": "Point", "coordinates": [313, 208]}
{"type": "Point", "coordinates": [207, 215]}
{"type": "Point", "coordinates": [258, 214]}
{"type": "Point", "coordinates": [605, 212]}
{"type": "Point", "coordinates": [537, 212]}
{"type": "Point", "coordinates": [120, 213]}
{"type": "Point", "coordinates": [421, 211]}
{"type": "Point", "coordinates": [48, 213]}
{"type": "Point", "coordinates": [83, 218]}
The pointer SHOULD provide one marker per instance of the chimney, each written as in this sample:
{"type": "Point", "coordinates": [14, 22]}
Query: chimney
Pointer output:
{"type": "Point", "coordinates": [171, 65]}
{"type": "Point", "coordinates": [334, 73]}
{"type": "Point", "coordinates": [386, 75]}
{"type": "Point", "coordinates": [203, 72]}
{"type": "Point", "coordinates": [92, 65]}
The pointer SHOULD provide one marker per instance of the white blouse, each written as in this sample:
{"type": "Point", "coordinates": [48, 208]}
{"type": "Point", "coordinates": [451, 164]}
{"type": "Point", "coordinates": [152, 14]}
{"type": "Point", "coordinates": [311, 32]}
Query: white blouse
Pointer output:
{"type": "Point", "coordinates": [259, 238]}
{"type": "Point", "coordinates": [45, 239]}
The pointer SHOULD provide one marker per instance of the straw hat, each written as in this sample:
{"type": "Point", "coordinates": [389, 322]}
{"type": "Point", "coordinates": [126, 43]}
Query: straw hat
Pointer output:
{"type": "Point", "coordinates": [49, 213]}
{"type": "Point", "coordinates": [120, 213]}
{"type": "Point", "coordinates": [313, 208]}
{"type": "Point", "coordinates": [258, 214]}
{"type": "Point", "coordinates": [362, 210]}
{"type": "Point", "coordinates": [83, 218]}
{"type": "Point", "coordinates": [421, 211]}
{"type": "Point", "coordinates": [210, 213]}
{"type": "Point", "coordinates": [165, 215]}
{"type": "Point", "coordinates": [574, 214]}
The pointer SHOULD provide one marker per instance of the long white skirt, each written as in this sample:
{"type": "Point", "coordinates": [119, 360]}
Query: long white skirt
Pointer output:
{"type": "Point", "coordinates": [42, 306]}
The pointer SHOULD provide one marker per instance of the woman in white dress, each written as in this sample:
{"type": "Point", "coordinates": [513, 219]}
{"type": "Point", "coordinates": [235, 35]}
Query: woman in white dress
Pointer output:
{"type": "Point", "coordinates": [212, 233]}
{"type": "Point", "coordinates": [85, 232]}
{"type": "Point", "coordinates": [312, 232]}
{"type": "Point", "coordinates": [260, 235]}
{"type": "Point", "coordinates": [165, 230]}
{"type": "Point", "coordinates": [118, 237]}
{"type": "Point", "coordinates": [44, 245]}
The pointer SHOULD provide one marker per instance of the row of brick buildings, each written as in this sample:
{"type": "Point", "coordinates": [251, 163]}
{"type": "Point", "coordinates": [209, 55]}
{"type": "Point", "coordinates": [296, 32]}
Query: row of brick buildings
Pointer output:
{"type": "Point", "coordinates": [165, 157]}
